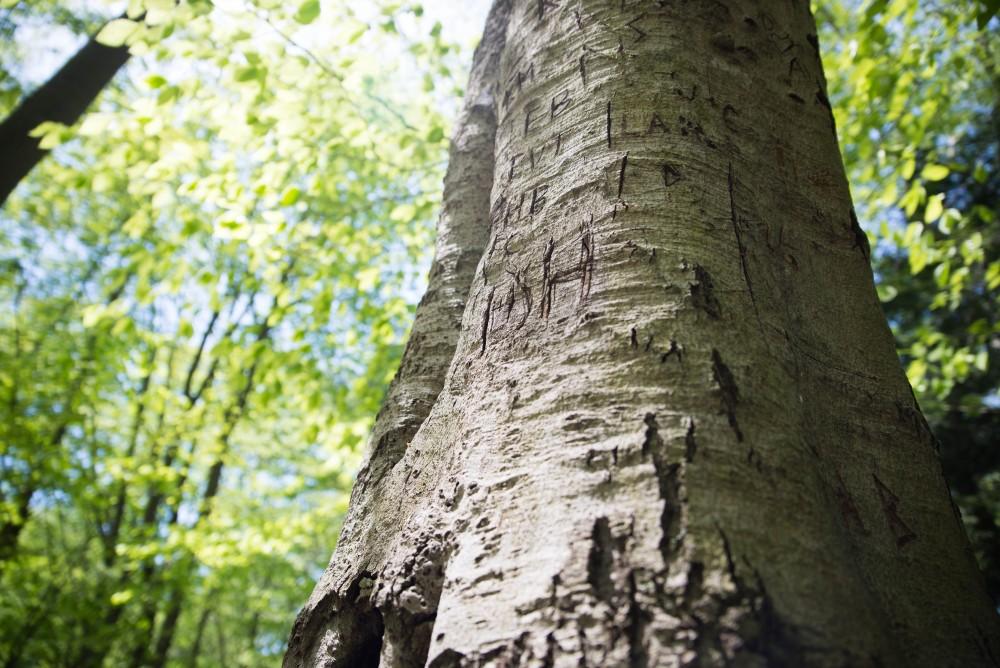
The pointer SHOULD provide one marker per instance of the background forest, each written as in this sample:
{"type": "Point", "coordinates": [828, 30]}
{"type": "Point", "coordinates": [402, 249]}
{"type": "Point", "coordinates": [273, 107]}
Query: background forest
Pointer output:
{"type": "Point", "coordinates": [207, 284]}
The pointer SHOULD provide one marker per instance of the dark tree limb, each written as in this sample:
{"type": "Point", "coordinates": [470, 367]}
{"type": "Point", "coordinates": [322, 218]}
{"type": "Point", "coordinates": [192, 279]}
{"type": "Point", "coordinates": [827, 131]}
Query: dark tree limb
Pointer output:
{"type": "Point", "coordinates": [61, 99]}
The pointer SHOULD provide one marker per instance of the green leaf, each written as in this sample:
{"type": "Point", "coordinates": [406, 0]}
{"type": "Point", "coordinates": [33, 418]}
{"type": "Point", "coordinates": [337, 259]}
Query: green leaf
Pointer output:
{"type": "Point", "coordinates": [935, 207]}
{"type": "Point", "coordinates": [933, 172]}
{"type": "Point", "coordinates": [115, 33]}
{"type": "Point", "coordinates": [307, 12]}
{"type": "Point", "coordinates": [248, 74]}
{"type": "Point", "coordinates": [908, 168]}
{"type": "Point", "coordinates": [122, 597]}
{"type": "Point", "coordinates": [918, 259]}
{"type": "Point", "coordinates": [403, 213]}
{"type": "Point", "coordinates": [367, 278]}
{"type": "Point", "coordinates": [886, 293]}
{"type": "Point", "coordinates": [357, 34]}
{"type": "Point", "coordinates": [436, 134]}
{"type": "Point", "coordinates": [980, 174]}
{"type": "Point", "coordinates": [51, 134]}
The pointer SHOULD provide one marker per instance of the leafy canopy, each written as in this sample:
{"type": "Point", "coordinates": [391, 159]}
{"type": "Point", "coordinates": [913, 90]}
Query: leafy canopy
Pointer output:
{"type": "Point", "coordinates": [206, 290]}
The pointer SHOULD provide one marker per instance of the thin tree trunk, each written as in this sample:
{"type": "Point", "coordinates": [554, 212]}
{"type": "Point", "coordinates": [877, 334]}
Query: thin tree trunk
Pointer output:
{"type": "Point", "coordinates": [110, 536]}
{"type": "Point", "coordinates": [61, 99]}
{"type": "Point", "coordinates": [233, 415]}
{"type": "Point", "coordinates": [31, 627]}
{"type": "Point", "coordinates": [194, 654]}
{"type": "Point", "coordinates": [220, 642]}
{"type": "Point", "coordinates": [95, 651]}
{"type": "Point", "coordinates": [252, 631]}
{"type": "Point", "coordinates": [672, 429]}
{"type": "Point", "coordinates": [168, 627]}
{"type": "Point", "coordinates": [10, 530]}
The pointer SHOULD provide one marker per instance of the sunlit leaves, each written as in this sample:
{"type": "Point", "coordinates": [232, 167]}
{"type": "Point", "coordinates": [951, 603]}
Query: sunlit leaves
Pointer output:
{"type": "Point", "coordinates": [50, 134]}
{"type": "Point", "coordinates": [934, 208]}
{"type": "Point", "coordinates": [931, 172]}
{"type": "Point", "coordinates": [307, 12]}
{"type": "Point", "coordinates": [117, 32]}
{"type": "Point", "coordinates": [238, 217]}
{"type": "Point", "coordinates": [910, 79]}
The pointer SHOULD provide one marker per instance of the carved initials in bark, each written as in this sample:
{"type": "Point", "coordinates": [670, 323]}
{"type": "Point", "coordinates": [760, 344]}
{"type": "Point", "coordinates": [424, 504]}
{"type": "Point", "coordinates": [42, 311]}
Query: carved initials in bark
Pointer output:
{"type": "Point", "coordinates": [848, 509]}
{"type": "Point", "coordinates": [552, 275]}
{"type": "Point", "coordinates": [890, 506]}
{"type": "Point", "coordinates": [703, 293]}
{"type": "Point", "coordinates": [564, 498]}
{"type": "Point", "coordinates": [728, 390]}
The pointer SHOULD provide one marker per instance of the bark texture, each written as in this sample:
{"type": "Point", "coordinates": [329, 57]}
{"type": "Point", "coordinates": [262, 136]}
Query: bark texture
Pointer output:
{"type": "Point", "coordinates": [662, 421]}
{"type": "Point", "coordinates": [61, 99]}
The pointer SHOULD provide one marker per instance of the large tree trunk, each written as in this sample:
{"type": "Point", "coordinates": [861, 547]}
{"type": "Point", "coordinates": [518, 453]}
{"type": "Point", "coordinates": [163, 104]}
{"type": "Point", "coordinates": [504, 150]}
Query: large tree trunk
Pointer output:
{"type": "Point", "coordinates": [62, 99]}
{"type": "Point", "coordinates": [662, 422]}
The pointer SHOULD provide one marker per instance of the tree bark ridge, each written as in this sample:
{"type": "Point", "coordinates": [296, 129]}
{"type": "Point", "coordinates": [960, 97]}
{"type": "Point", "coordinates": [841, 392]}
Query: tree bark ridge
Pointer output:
{"type": "Point", "coordinates": [674, 430]}
{"type": "Point", "coordinates": [341, 625]}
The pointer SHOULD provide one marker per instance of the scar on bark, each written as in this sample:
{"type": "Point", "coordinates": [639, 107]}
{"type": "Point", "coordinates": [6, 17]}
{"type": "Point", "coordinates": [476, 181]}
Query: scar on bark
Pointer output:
{"type": "Point", "coordinates": [813, 42]}
{"type": "Point", "coordinates": [607, 123]}
{"type": "Point", "coordinates": [703, 293]}
{"type": "Point", "coordinates": [824, 101]}
{"type": "Point", "coordinates": [912, 416]}
{"type": "Point", "coordinates": [508, 304]}
{"type": "Point", "coordinates": [486, 318]}
{"type": "Point", "coordinates": [583, 269]}
{"type": "Point", "coordinates": [638, 619]}
{"type": "Point", "coordinates": [547, 279]}
{"type": "Point", "coordinates": [522, 285]}
{"type": "Point", "coordinates": [671, 174]}
{"type": "Point", "coordinates": [544, 5]}
{"type": "Point", "coordinates": [848, 508]}
{"type": "Point", "coordinates": [651, 437]}
{"type": "Point", "coordinates": [690, 444]}
{"type": "Point", "coordinates": [586, 261]}
{"type": "Point", "coordinates": [741, 245]}
{"type": "Point", "coordinates": [675, 349]}
{"type": "Point", "coordinates": [859, 236]}
{"type": "Point", "coordinates": [668, 478]}
{"type": "Point", "coordinates": [890, 506]}
{"type": "Point", "coordinates": [600, 560]}
{"type": "Point", "coordinates": [730, 393]}
{"type": "Point", "coordinates": [772, 639]}
{"type": "Point", "coordinates": [723, 42]}
{"type": "Point", "coordinates": [640, 34]}
{"type": "Point", "coordinates": [621, 175]}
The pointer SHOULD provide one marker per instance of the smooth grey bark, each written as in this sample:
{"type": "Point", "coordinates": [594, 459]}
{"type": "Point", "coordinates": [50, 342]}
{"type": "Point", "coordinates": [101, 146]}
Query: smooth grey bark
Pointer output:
{"type": "Point", "coordinates": [662, 422]}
